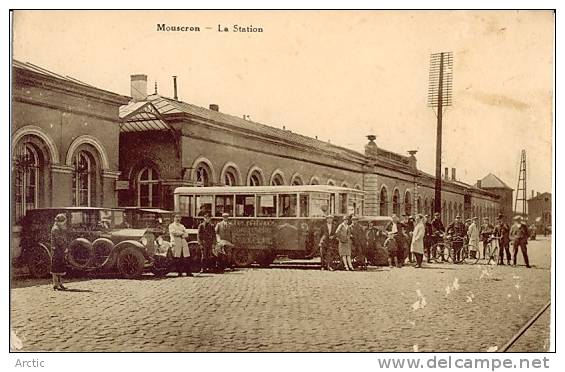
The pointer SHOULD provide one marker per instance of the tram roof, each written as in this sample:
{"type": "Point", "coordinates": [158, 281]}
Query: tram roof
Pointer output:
{"type": "Point", "coordinates": [263, 189]}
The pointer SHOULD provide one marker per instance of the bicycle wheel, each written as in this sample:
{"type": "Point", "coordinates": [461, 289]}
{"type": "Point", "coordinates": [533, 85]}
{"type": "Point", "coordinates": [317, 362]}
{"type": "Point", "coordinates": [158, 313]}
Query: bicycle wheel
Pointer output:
{"type": "Point", "coordinates": [464, 253]}
{"type": "Point", "coordinates": [488, 254]}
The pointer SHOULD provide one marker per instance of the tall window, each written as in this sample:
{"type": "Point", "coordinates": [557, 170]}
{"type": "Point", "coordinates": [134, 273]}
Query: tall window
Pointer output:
{"type": "Point", "coordinates": [396, 202]}
{"type": "Point", "coordinates": [419, 205]}
{"type": "Point", "coordinates": [83, 179]}
{"type": "Point", "coordinates": [148, 191]}
{"type": "Point", "coordinates": [408, 203]}
{"type": "Point", "coordinates": [26, 163]}
{"type": "Point", "coordinates": [383, 202]}
{"type": "Point", "coordinates": [203, 175]}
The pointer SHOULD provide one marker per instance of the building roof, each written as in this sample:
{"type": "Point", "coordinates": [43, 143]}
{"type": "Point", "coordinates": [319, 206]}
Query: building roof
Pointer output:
{"type": "Point", "coordinates": [168, 106]}
{"type": "Point", "coordinates": [490, 181]}
{"type": "Point", "coordinates": [70, 81]}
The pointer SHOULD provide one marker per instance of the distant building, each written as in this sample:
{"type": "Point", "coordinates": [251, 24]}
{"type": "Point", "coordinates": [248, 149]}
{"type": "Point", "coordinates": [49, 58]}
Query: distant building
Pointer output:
{"type": "Point", "coordinates": [539, 210]}
{"type": "Point", "coordinates": [495, 185]}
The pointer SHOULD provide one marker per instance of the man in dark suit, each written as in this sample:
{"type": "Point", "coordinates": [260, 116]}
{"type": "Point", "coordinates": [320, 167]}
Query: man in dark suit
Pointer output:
{"type": "Point", "coordinates": [519, 237]}
{"type": "Point", "coordinates": [359, 241]}
{"type": "Point", "coordinates": [327, 242]}
{"type": "Point", "coordinates": [207, 239]}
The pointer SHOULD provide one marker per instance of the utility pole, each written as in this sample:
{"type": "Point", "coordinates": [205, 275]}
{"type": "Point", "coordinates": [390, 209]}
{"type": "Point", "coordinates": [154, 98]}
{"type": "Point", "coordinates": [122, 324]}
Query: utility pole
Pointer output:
{"type": "Point", "coordinates": [439, 96]}
{"type": "Point", "coordinates": [521, 192]}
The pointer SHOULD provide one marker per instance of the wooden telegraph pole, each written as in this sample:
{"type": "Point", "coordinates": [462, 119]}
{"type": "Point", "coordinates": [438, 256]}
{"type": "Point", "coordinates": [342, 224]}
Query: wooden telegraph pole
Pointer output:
{"type": "Point", "coordinates": [439, 96]}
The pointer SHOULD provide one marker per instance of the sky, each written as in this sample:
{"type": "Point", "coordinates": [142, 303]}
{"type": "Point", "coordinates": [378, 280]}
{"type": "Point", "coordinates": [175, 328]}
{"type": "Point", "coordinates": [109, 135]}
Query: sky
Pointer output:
{"type": "Point", "coordinates": [338, 75]}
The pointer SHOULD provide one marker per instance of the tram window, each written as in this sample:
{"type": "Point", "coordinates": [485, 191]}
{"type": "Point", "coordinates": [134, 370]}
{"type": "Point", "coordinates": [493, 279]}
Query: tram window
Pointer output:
{"type": "Point", "coordinates": [224, 204]}
{"type": "Point", "coordinates": [266, 206]}
{"type": "Point", "coordinates": [332, 204]}
{"type": "Point", "coordinates": [319, 206]}
{"type": "Point", "coordinates": [245, 206]}
{"type": "Point", "coordinates": [287, 205]}
{"type": "Point", "coordinates": [343, 203]}
{"type": "Point", "coordinates": [185, 205]}
{"type": "Point", "coordinates": [204, 204]}
{"type": "Point", "coordinates": [304, 207]}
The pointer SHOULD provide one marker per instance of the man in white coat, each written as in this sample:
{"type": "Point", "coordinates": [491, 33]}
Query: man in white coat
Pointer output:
{"type": "Point", "coordinates": [180, 249]}
{"type": "Point", "coordinates": [473, 234]}
{"type": "Point", "coordinates": [417, 246]}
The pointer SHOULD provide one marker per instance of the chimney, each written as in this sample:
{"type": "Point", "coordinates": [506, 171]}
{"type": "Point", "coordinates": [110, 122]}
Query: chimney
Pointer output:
{"type": "Point", "coordinates": [538, 193]}
{"type": "Point", "coordinates": [479, 183]}
{"type": "Point", "coordinates": [176, 97]}
{"type": "Point", "coordinates": [214, 107]}
{"type": "Point", "coordinates": [453, 174]}
{"type": "Point", "coordinates": [138, 87]}
{"type": "Point", "coordinates": [446, 174]}
{"type": "Point", "coordinates": [412, 160]}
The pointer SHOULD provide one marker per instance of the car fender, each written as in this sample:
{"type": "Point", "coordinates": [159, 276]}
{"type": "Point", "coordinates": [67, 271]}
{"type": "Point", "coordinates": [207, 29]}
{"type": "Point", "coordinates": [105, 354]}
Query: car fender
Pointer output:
{"type": "Point", "coordinates": [113, 257]}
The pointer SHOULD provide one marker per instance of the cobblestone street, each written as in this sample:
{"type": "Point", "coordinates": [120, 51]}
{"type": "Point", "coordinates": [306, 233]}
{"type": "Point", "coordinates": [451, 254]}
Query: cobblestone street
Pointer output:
{"type": "Point", "coordinates": [443, 307]}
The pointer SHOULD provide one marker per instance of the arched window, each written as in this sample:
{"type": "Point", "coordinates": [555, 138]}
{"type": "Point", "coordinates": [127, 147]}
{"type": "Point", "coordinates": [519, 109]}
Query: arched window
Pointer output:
{"type": "Point", "coordinates": [331, 183]}
{"type": "Point", "coordinates": [383, 202]}
{"type": "Point", "coordinates": [26, 188]}
{"type": "Point", "coordinates": [230, 177]}
{"type": "Point", "coordinates": [396, 202]}
{"type": "Point", "coordinates": [148, 190]}
{"type": "Point", "coordinates": [408, 203]}
{"type": "Point", "coordinates": [277, 180]}
{"type": "Point", "coordinates": [84, 176]}
{"type": "Point", "coordinates": [203, 175]}
{"type": "Point", "coordinates": [450, 213]}
{"type": "Point", "coordinates": [419, 205]}
{"type": "Point", "coordinates": [297, 180]}
{"type": "Point", "coordinates": [314, 181]}
{"type": "Point", "coordinates": [255, 178]}
{"type": "Point", "coordinates": [427, 207]}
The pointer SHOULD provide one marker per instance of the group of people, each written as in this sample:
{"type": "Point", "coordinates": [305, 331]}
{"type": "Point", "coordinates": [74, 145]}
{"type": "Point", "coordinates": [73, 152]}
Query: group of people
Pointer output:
{"type": "Point", "coordinates": [415, 238]}
{"type": "Point", "coordinates": [215, 243]}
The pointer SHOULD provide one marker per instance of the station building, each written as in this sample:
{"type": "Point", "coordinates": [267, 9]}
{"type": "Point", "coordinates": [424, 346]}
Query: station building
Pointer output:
{"type": "Point", "coordinates": [65, 139]}
{"type": "Point", "coordinates": [166, 143]}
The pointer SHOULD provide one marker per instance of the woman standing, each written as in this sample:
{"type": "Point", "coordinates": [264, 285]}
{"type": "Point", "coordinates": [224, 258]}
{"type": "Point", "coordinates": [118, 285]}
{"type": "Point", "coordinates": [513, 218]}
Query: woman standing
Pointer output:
{"type": "Point", "coordinates": [343, 235]}
{"type": "Point", "coordinates": [58, 245]}
{"type": "Point", "coordinates": [417, 246]}
{"type": "Point", "coordinates": [181, 252]}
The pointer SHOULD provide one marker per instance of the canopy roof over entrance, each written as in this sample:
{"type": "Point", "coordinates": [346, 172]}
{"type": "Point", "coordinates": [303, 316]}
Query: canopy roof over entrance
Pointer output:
{"type": "Point", "coordinates": [140, 117]}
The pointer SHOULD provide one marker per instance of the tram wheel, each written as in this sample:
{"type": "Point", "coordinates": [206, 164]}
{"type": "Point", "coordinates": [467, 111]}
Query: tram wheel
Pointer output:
{"type": "Point", "coordinates": [242, 257]}
{"type": "Point", "coordinates": [265, 258]}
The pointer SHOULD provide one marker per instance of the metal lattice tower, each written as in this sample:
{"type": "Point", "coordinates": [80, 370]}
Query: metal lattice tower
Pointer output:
{"type": "Point", "coordinates": [521, 192]}
{"type": "Point", "coordinates": [439, 96]}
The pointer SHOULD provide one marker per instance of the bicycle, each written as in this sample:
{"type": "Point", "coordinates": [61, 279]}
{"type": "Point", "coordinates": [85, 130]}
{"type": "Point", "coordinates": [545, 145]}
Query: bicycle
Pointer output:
{"type": "Point", "coordinates": [491, 249]}
{"type": "Point", "coordinates": [444, 251]}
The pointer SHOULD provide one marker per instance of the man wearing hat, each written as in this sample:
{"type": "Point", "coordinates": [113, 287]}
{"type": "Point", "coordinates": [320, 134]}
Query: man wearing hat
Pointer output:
{"type": "Point", "coordinates": [486, 232]}
{"type": "Point", "coordinates": [224, 231]}
{"type": "Point", "coordinates": [519, 238]}
{"type": "Point", "coordinates": [206, 239]}
{"type": "Point", "coordinates": [327, 242]}
{"type": "Point", "coordinates": [502, 230]}
{"type": "Point", "coordinates": [473, 234]}
{"type": "Point", "coordinates": [59, 240]}
{"type": "Point", "coordinates": [359, 242]}
{"type": "Point", "coordinates": [458, 232]}
{"type": "Point", "coordinates": [437, 232]}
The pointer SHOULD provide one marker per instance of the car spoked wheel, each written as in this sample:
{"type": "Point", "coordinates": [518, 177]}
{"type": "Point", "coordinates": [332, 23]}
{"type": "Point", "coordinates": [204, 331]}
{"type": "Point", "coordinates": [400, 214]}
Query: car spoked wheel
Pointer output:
{"type": "Point", "coordinates": [80, 253]}
{"type": "Point", "coordinates": [130, 263]}
{"type": "Point", "coordinates": [39, 262]}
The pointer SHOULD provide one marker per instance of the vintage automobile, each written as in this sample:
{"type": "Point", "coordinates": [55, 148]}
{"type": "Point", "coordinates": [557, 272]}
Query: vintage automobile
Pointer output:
{"type": "Point", "coordinates": [99, 240]}
{"type": "Point", "coordinates": [157, 221]}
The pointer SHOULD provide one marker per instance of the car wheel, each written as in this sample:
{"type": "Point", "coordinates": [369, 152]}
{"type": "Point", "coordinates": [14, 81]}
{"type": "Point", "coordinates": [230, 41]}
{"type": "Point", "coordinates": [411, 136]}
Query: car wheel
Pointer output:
{"type": "Point", "coordinates": [265, 258]}
{"type": "Point", "coordinates": [242, 257]}
{"type": "Point", "coordinates": [102, 247]}
{"type": "Point", "coordinates": [39, 262]}
{"type": "Point", "coordinates": [81, 253]}
{"type": "Point", "coordinates": [130, 263]}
